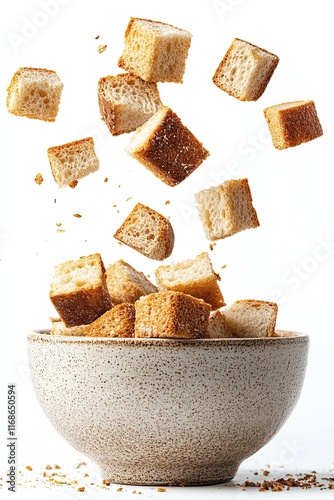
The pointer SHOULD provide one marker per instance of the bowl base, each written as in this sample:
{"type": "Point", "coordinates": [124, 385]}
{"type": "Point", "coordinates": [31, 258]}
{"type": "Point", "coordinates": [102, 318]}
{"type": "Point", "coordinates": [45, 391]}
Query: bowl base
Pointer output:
{"type": "Point", "coordinates": [192, 476]}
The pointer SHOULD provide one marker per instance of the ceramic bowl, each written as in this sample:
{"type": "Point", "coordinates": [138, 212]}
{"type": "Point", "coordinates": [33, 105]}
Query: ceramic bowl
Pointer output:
{"type": "Point", "coordinates": [160, 411]}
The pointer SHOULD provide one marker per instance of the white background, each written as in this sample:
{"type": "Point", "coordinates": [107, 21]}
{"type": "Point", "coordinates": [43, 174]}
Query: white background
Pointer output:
{"type": "Point", "coordinates": [288, 259]}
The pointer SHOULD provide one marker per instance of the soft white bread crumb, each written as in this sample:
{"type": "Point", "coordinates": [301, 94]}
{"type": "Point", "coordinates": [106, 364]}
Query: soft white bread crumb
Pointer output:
{"type": "Point", "coordinates": [148, 232]}
{"type": "Point", "coordinates": [251, 318]}
{"type": "Point", "coordinates": [226, 209]}
{"type": "Point", "coordinates": [117, 322]}
{"type": "Point", "coordinates": [245, 70]}
{"type": "Point", "coordinates": [194, 277]}
{"type": "Point", "coordinates": [217, 328]}
{"type": "Point", "coordinates": [79, 290]}
{"type": "Point", "coordinates": [70, 162]}
{"type": "Point", "coordinates": [166, 147]}
{"type": "Point", "coordinates": [171, 315]}
{"type": "Point", "coordinates": [125, 284]}
{"type": "Point", "coordinates": [155, 51]}
{"type": "Point", "coordinates": [35, 93]}
{"type": "Point", "coordinates": [58, 327]}
{"type": "Point", "coordinates": [126, 102]}
{"type": "Point", "coordinates": [293, 123]}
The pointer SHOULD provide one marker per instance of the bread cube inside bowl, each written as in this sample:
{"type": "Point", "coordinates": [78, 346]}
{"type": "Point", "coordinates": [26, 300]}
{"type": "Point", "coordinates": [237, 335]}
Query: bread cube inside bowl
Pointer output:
{"type": "Point", "coordinates": [167, 411]}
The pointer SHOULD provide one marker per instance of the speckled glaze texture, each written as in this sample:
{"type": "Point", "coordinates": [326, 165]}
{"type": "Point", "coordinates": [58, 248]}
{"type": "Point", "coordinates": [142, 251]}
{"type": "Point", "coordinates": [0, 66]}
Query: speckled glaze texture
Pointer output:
{"type": "Point", "coordinates": [160, 411]}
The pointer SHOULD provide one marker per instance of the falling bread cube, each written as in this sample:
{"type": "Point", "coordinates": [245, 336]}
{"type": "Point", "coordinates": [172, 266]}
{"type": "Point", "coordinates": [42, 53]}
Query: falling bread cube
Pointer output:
{"type": "Point", "coordinates": [251, 318]}
{"type": "Point", "coordinates": [155, 51]}
{"type": "Point", "coordinates": [194, 277]}
{"type": "Point", "coordinates": [148, 232]}
{"type": "Point", "coordinates": [293, 123]}
{"type": "Point", "coordinates": [166, 147]}
{"type": "Point", "coordinates": [245, 70]}
{"type": "Point", "coordinates": [35, 93]}
{"type": "Point", "coordinates": [73, 161]}
{"type": "Point", "coordinates": [79, 290]}
{"type": "Point", "coordinates": [226, 209]}
{"type": "Point", "coordinates": [126, 102]}
{"type": "Point", "coordinates": [171, 315]}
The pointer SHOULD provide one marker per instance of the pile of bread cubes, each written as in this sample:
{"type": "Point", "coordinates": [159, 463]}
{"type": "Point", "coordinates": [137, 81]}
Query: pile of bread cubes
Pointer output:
{"type": "Point", "coordinates": [186, 302]}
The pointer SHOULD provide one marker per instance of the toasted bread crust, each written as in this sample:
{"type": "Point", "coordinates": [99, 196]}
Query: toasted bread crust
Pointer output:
{"type": "Point", "coordinates": [117, 322]}
{"type": "Point", "coordinates": [292, 126]}
{"type": "Point", "coordinates": [171, 152]}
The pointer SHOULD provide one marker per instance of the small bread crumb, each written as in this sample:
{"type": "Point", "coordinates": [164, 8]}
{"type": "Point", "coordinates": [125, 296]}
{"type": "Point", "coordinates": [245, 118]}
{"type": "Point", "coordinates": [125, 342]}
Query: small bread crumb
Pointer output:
{"type": "Point", "coordinates": [82, 488]}
{"type": "Point", "coordinates": [73, 184]}
{"type": "Point", "coordinates": [167, 202]}
{"type": "Point", "coordinates": [78, 216]}
{"type": "Point", "coordinates": [105, 481]}
{"type": "Point", "coordinates": [39, 179]}
{"type": "Point", "coordinates": [101, 48]}
{"type": "Point", "coordinates": [119, 489]}
{"type": "Point", "coordinates": [97, 37]}
{"type": "Point", "coordinates": [28, 467]}
{"type": "Point", "coordinates": [106, 179]}
{"type": "Point", "coordinates": [266, 473]}
{"type": "Point", "coordinates": [161, 490]}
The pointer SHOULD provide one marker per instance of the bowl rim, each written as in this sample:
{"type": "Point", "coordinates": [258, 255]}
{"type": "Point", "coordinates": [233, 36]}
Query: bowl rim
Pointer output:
{"type": "Point", "coordinates": [45, 336]}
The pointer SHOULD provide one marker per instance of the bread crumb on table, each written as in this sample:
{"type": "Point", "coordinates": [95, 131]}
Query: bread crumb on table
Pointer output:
{"type": "Point", "coordinates": [101, 48]}
{"type": "Point", "coordinates": [28, 467]}
{"type": "Point", "coordinates": [78, 216]}
{"type": "Point", "coordinates": [39, 179]}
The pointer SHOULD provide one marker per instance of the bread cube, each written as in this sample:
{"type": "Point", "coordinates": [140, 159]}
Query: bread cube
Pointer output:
{"type": "Point", "coordinates": [155, 51]}
{"type": "Point", "coordinates": [251, 318]}
{"type": "Point", "coordinates": [117, 322]}
{"type": "Point", "coordinates": [125, 284]}
{"type": "Point", "coordinates": [148, 232]}
{"type": "Point", "coordinates": [79, 290]}
{"type": "Point", "coordinates": [226, 209]}
{"type": "Point", "coordinates": [166, 147]}
{"type": "Point", "coordinates": [194, 277]}
{"type": "Point", "coordinates": [73, 161]}
{"type": "Point", "coordinates": [58, 327]}
{"type": "Point", "coordinates": [245, 70]}
{"type": "Point", "coordinates": [171, 315]}
{"type": "Point", "coordinates": [126, 102]}
{"type": "Point", "coordinates": [217, 328]}
{"type": "Point", "coordinates": [35, 93]}
{"type": "Point", "coordinates": [293, 123]}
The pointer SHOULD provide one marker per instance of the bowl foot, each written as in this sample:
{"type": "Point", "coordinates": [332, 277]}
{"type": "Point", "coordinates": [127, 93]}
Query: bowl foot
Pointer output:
{"type": "Point", "coordinates": [169, 476]}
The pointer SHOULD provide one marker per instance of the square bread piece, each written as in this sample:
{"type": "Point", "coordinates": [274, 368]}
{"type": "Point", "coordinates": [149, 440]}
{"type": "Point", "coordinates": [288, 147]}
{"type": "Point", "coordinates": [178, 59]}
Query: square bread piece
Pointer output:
{"type": "Point", "coordinates": [117, 322]}
{"type": "Point", "coordinates": [245, 70]}
{"type": "Point", "coordinates": [79, 290]}
{"type": "Point", "coordinates": [125, 284]}
{"type": "Point", "coordinates": [293, 123]}
{"type": "Point", "coordinates": [58, 327]}
{"type": "Point", "coordinates": [226, 209]}
{"type": "Point", "coordinates": [217, 326]}
{"type": "Point", "coordinates": [194, 277]}
{"type": "Point", "coordinates": [155, 51]}
{"type": "Point", "coordinates": [35, 93]}
{"type": "Point", "coordinates": [73, 161]}
{"type": "Point", "coordinates": [166, 147]}
{"type": "Point", "coordinates": [127, 101]}
{"type": "Point", "coordinates": [251, 318]}
{"type": "Point", "coordinates": [171, 315]}
{"type": "Point", "coordinates": [148, 232]}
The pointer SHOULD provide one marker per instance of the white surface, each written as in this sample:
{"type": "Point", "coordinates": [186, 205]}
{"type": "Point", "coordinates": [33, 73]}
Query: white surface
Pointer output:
{"type": "Point", "coordinates": [289, 259]}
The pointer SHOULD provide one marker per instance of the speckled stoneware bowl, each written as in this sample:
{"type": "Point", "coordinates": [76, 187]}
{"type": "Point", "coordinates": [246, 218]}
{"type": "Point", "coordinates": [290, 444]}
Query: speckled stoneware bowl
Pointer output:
{"type": "Point", "coordinates": [159, 411]}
